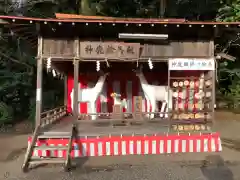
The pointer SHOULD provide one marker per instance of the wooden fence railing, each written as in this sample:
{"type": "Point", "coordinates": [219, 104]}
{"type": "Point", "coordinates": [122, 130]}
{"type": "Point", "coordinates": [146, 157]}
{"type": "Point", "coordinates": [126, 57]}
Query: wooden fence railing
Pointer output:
{"type": "Point", "coordinates": [51, 116]}
{"type": "Point", "coordinates": [228, 104]}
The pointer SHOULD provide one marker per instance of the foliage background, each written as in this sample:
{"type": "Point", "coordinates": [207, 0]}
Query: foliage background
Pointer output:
{"type": "Point", "coordinates": [18, 65]}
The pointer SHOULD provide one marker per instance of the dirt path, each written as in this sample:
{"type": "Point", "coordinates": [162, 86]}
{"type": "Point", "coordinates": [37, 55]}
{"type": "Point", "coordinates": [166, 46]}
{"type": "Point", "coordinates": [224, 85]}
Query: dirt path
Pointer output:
{"type": "Point", "coordinates": [12, 146]}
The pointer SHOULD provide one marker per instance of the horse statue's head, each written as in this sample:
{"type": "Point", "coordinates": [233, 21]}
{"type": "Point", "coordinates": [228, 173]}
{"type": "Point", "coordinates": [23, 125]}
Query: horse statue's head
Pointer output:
{"type": "Point", "coordinates": [138, 71]}
{"type": "Point", "coordinates": [103, 74]}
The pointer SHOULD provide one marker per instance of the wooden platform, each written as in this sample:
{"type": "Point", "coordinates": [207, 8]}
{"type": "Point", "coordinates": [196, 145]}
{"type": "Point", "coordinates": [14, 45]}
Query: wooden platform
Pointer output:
{"type": "Point", "coordinates": [98, 138]}
{"type": "Point", "coordinates": [102, 129]}
{"type": "Point", "coordinates": [144, 139]}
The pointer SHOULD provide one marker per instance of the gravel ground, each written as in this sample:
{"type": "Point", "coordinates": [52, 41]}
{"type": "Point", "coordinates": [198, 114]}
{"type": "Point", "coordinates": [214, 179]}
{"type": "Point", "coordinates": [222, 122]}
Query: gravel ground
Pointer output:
{"type": "Point", "coordinates": [191, 166]}
{"type": "Point", "coordinates": [155, 170]}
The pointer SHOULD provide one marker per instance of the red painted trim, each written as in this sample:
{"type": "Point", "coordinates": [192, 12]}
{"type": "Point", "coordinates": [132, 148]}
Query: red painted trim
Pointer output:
{"type": "Point", "coordinates": [109, 91]}
{"type": "Point", "coordinates": [135, 145]}
{"type": "Point", "coordinates": [69, 88]}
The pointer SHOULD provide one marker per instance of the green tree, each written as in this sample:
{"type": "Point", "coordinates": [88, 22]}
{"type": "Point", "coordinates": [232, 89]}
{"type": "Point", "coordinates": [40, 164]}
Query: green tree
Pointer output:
{"type": "Point", "coordinates": [18, 63]}
{"type": "Point", "coordinates": [229, 11]}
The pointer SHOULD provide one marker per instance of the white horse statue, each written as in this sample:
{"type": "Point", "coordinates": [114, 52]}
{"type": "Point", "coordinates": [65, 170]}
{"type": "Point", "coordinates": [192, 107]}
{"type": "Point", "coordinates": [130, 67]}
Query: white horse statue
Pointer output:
{"type": "Point", "coordinates": [155, 93]}
{"type": "Point", "coordinates": [90, 94]}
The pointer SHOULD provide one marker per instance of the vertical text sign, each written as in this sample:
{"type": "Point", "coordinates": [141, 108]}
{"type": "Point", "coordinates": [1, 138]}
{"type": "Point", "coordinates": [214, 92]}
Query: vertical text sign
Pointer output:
{"type": "Point", "coordinates": [137, 107]}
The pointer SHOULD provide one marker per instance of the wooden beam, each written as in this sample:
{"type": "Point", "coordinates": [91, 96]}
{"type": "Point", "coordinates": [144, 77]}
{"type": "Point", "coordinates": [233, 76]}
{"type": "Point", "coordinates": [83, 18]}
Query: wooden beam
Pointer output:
{"type": "Point", "coordinates": [75, 95]}
{"type": "Point", "coordinates": [65, 90]}
{"type": "Point", "coordinates": [226, 56]}
{"type": "Point", "coordinates": [39, 84]}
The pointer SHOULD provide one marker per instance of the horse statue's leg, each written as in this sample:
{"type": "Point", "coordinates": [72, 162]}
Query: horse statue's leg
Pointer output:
{"type": "Point", "coordinates": [153, 103]}
{"type": "Point", "coordinates": [148, 106]}
{"type": "Point", "coordinates": [166, 111]}
{"type": "Point", "coordinates": [93, 110]}
{"type": "Point", "coordinates": [169, 102]}
{"type": "Point", "coordinates": [162, 109]}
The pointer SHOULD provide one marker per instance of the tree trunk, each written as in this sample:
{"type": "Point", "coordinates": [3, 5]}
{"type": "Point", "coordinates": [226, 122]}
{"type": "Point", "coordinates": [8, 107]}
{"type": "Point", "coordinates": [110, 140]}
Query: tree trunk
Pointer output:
{"type": "Point", "coordinates": [85, 9]}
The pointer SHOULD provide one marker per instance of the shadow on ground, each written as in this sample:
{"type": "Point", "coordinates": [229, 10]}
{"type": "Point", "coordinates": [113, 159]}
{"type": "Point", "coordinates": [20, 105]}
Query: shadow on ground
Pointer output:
{"type": "Point", "coordinates": [89, 168]}
{"type": "Point", "coordinates": [76, 164]}
{"type": "Point", "coordinates": [219, 171]}
{"type": "Point", "coordinates": [15, 154]}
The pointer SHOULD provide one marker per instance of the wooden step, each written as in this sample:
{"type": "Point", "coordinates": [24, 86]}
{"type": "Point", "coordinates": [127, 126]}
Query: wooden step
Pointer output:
{"type": "Point", "coordinates": [47, 161]}
{"type": "Point", "coordinates": [54, 135]}
{"type": "Point", "coordinates": [43, 147]}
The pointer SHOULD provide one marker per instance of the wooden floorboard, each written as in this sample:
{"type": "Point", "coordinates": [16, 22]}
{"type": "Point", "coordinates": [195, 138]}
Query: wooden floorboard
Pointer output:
{"type": "Point", "coordinates": [99, 129]}
{"type": "Point", "coordinates": [103, 129]}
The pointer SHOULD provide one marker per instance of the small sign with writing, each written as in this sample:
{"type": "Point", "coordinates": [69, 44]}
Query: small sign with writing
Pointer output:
{"type": "Point", "coordinates": [117, 111]}
{"type": "Point", "coordinates": [137, 107]}
{"type": "Point", "coordinates": [109, 50]}
{"type": "Point", "coordinates": [191, 64]}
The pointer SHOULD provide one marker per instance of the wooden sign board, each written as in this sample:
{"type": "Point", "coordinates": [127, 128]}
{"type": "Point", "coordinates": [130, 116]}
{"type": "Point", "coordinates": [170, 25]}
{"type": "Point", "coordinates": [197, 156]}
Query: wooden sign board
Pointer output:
{"type": "Point", "coordinates": [137, 107]}
{"type": "Point", "coordinates": [117, 112]}
{"type": "Point", "coordinates": [179, 64]}
{"type": "Point", "coordinates": [110, 50]}
{"type": "Point", "coordinates": [58, 48]}
{"type": "Point", "coordinates": [174, 49]}
{"type": "Point", "coordinates": [191, 127]}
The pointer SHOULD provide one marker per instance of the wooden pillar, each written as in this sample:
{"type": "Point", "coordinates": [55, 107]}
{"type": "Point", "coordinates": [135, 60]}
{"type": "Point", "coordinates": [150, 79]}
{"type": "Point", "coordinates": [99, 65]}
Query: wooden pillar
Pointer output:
{"type": "Point", "coordinates": [75, 96]}
{"type": "Point", "coordinates": [65, 90]}
{"type": "Point", "coordinates": [213, 93]}
{"type": "Point", "coordinates": [213, 74]}
{"type": "Point", "coordinates": [39, 84]}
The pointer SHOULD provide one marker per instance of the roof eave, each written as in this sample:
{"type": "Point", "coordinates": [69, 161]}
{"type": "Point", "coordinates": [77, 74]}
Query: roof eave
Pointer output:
{"type": "Point", "coordinates": [14, 19]}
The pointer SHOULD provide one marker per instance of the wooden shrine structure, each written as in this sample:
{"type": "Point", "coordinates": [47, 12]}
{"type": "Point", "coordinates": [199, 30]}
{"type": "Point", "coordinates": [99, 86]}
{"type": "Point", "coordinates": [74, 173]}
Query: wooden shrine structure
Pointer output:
{"type": "Point", "coordinates": [73, 44]}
